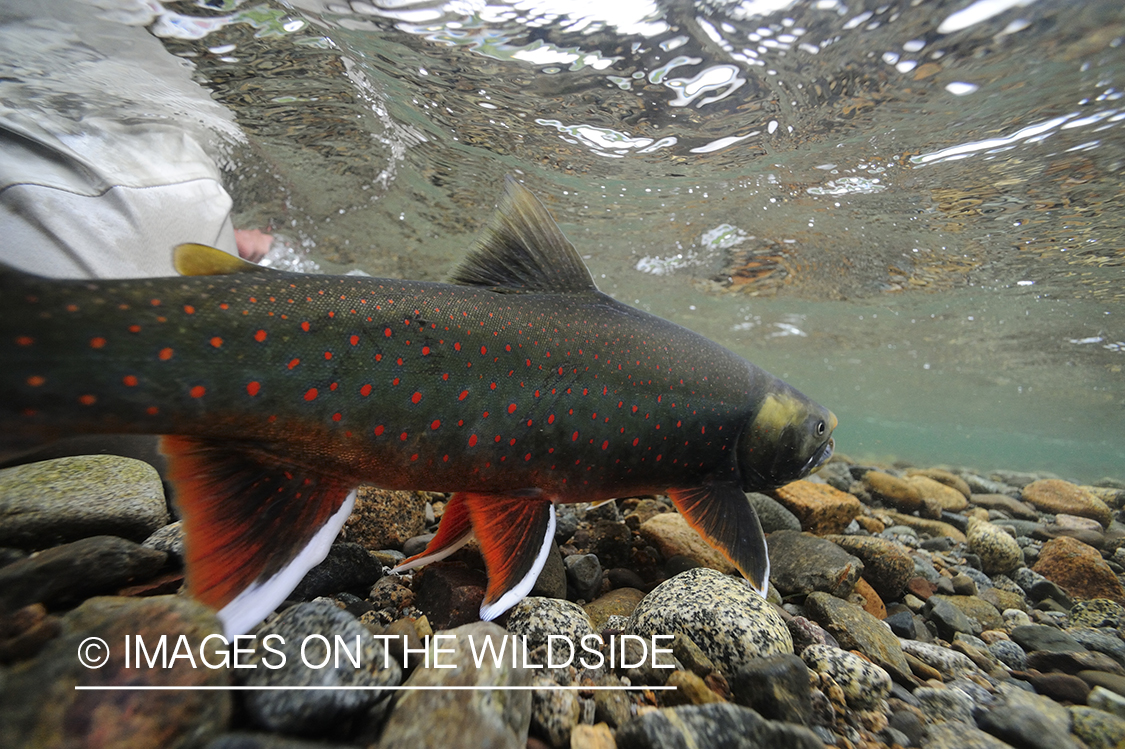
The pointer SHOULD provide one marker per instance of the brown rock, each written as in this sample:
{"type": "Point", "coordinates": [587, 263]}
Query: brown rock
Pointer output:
{"type": "Point", "coordinates": [1056, 495]}
{"type": "Point", "coordinates": [945, 477]}
{"type": "Point", "coordinates": [933, 527]}
{"type": "Point", "coordinates": [1079, 570]}
{"type": "Point", "coordinates": [450, 593]}
{"type": "Point", "coordinates": [921, 587]}
{"type": "Point", "coordinates": [867, 599]}
{"type": "Point", "coordinates": [1004, 503]}
{"type": "Point", "coordinates": [1004, 599]}
{"type": "Point", "coordinates": [820, 508]}
{"type": "Point", "coordinates": [621, 602]}
{"type": "Point", "coordinates": [1061, 687]}
{"type": "Point", "coordinates": [672, 536]}
{"type": "Point", "coordinates": [887, 565]}
{"type": "Point", "coordinates": [947, 497]}
{"type": "Point", "coordinates": [597, 736]}
{"type": "Point", "coordinates": [894, 491]}
{"type": "Point", "coordinates": [690, 690]}
{"type": "Point", "coordinates": [385, 519]}
{"type": "Point", "coordinates": [977, 608]}
{"type": "Point", "coordinates": [871, 525]}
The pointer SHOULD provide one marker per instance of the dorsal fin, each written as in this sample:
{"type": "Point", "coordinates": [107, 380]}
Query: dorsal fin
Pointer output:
{"type": "Point", "coordinates": [522, 249]}
{"type": "Point", "coordinates": [201, 260]}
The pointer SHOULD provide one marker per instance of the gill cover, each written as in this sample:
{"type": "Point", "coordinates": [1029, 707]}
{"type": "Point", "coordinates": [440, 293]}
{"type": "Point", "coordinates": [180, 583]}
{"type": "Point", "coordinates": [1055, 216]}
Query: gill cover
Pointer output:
{"type": "Point", "coordinates": [788, 438]}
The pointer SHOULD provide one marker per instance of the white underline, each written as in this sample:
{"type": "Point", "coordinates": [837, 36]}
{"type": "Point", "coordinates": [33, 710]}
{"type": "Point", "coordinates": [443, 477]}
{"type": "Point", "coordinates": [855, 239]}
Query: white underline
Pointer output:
{"type": "Point", "coordinates": [368, 689]}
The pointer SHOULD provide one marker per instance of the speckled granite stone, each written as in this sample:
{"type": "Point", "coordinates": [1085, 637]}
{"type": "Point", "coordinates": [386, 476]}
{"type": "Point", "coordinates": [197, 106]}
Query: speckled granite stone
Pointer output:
{"type": "Point", "coordinates": [863, 682]}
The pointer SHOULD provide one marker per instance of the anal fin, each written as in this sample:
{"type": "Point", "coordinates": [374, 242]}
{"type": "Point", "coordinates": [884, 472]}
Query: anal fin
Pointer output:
{"type": "Point", "coordinates": [722, 514]}
{"type": "Point", "coordinates": [253, 524]}
{"type": "Point", "coordinates": [515, 533]}
{"type": "Point", "coordinates": [453, 532]}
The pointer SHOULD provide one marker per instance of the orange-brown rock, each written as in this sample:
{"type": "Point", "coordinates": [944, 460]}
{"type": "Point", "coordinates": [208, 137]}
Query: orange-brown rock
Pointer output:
{"type": "Point", "coordinates": [944, 477]}
{"type": "Point", "coordinates": [384, 519]}
{"type": "Point", "coordinates": [672, 536]}
{"type": "Point", "coordinates": [894, 491]}
{"type": "Point", "coordinates": [949, 498]}
{"type": "Point", "coordinates": [1056, 495]}
{"type": "Point", "coordinates": [867, 599]}
{"type": "Point", "coordinates": [1079, 570]}
{"type": "Point", "coordinates": [820, 508]}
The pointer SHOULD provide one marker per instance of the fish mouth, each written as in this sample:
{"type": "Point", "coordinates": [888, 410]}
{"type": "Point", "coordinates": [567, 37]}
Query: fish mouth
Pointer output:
{"type": "Point", "coordinates": [820, 457]}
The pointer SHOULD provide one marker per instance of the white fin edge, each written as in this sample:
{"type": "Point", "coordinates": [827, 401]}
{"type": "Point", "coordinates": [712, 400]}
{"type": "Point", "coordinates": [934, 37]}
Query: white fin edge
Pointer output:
{"type": "Point", "coordinates": [437, 555]}
{"type": "Point", "coordinates": [256, 602]}
{"type": "Point", "coordinates": [524, 586]}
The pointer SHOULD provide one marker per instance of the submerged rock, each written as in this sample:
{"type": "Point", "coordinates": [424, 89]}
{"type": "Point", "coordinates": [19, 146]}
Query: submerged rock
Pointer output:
{"type": "Point", "coordinates": [1079, 570]}
{"type": "Point", "coordinates": [718, 725]}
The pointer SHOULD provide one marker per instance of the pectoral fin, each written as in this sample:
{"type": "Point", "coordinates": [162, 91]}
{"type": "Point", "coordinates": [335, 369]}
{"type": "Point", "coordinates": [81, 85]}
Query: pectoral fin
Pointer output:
{"type": "Point", "coordinates": [453, 532]}
{"type": "Point", "coordinates": [723, 515]}
{"type": "Point", "coordinates": [253, 525]}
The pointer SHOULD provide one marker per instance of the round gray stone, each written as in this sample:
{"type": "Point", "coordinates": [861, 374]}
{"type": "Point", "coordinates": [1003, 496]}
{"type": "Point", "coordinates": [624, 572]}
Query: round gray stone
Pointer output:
{"type": "Point", "coordinates": [863, 682]}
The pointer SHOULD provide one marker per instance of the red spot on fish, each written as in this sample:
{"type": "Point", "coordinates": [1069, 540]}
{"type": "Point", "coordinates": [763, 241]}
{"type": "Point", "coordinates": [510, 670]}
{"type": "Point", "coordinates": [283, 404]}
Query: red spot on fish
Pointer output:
{"type": "Point", "coordinates": [260, 336]}
{"type": "Point", "coordinates": [305, 326]}
{"type": "Point", "coordinates": [395, 381]}
{"type": "Point", "coordinates": [634, 409]}
{"type": "Point", "coordinates": [337, 416]}
{"type": "Point", "coordinates": [152, 410]}
{"type": "Point", "coordinates": [130, 380]}
{"type": "Point", "coordinates": [97, 342]}
{"type": "Point", "coordinates": [197, 391]}
{"type": "Point", "coordinates": [252, 388]}
{"type": "Point", "coordinates": [387, 332]}
{"type": "Point", "coordinates": [445, 375]}
{"type": "Point", "coordinates": [636, 441]}
{"type": "Point", "coordinates": [216, 342]}
{"type": "Point", "coordinates": [87, 400]}
{"type": "Point", "coordinates": [378, 430]}
{"type": "Point", "coordinates": [398, 361]}
{"type": "Point", "coordinates": [511, 408]}
{"type": "Point", "coordinates": [436, 423]}
{"type": "Point", "coordinates": [464, 394]}
{"type": "Point", "coordinates": [365, 390]}
{"type": "Point", "coordinates": [378, 357]}
{"type": "Point", "coordinates": [402, 436]}
{"type": "Point", "coordinates": [70, 307]}
{"type": "Point", "coordinates": [310, 394]}
{"type": "Point", "coordinates": [189, 309]}
{"type": "Point", "coordinates": [457, 347]}
{"type": "Point", "coordinates": [425, 351]}
{"type": "Point", "coordinates": [224, 305]}
{"type": "Point", "coordinates": [483, 350]}
{"type": "Point", "coordinates": [155, 302]}
{"type": "Point", "coordinates": [36, 380]}
{"type": "Point", "coordinates": [605, 444]}
{"type": "Point", "coordinates": [416, 397]}
{"type": "Point", "coordinates": [134, 328]}
{"type": "Point", "coordinates": [492, 386]}
{"type": "Point", "coordinates": [551, 419]}
{"type": "Point", "coordinates": [472, 440]}
{"type": "Point", "coordinates": [574, 437]}
{"type": "Point", "coordinates": [165, 354]}
{"type": "Point", "coordinates": [354, 340]}
{"type": "Point", "coordinates": [327, 355]}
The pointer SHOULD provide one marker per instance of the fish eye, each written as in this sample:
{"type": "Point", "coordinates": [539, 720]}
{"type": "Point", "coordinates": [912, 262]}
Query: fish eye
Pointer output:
{"type": "Point", "coordinates": [820, 427]}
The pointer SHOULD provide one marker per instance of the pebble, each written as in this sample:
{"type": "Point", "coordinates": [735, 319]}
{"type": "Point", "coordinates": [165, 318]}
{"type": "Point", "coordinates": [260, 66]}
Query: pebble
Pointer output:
{"type": "Point", "coordinates": [554, 712]}
{"type": "Point", "coordinates": [551, 582]}
{"type": "Point", "coordinates": [306, 711]}
{"type": "Point", "coordinates": [449, 593]}
{"type": "Point", "coordinates": [462, 717]}
{"type": "Point", "coordinates": [583, 575]}
{"type": "Point", "coordinates": [40, 707]}
{"type": "Point", "coordinates": [1042, 637]}
{"type": "Point", "coordinates": [820, 508]}
{"type": "Point", "coordinates": [597, 736]}
{"type": "Point", "coordinates": [949, 663]}
{"type": "Point", "coordinates": [53, 502]}
{"type": "Point", "coordinates": [690, 690]}
{"type": "Point", "coordinates": [1007, 504]}
{"type": "Point", "coordinates": [169, 539]}
{"type": "Point", "coordinates": [961, 736]}
{"type": "Point", "coordinates": [347, 567]}
{"type": "Point", "coordinates": [1096, 612]}
{"type": "Point", "coordinates": [1102, 641]}
{"type": "Point", "coordinates": [1079, 570]}
{"type": "Point", "coordinates": [385, 519]}
{"type": "Point", "coordinates": [717, 724]}
{"type": "Point", "coordinates": [1057, 496]}
{"type": "Point", "coordinates": [801, 563]}
{"type": "Point", "coordinates": [981, 485]}
{"type": "Point", "coordinates": [537, 618]}
{"type": "Point", "coordinates": [998, 551]}
{"type": "Point", "coordinates": [925, 525]}
{"type": "Point", "coordinates": [887, 565]}
{"type": "Point", "coordinates": [864, 683]}
{"type": "Point", "coordinates": [1096, 728]}
{"type": "Point", "coordinates": [772, 514]}
{"type": "Point", "coordinates": [949, 618]}
{"type": "Point", "coordinates": [944, 477]}
{"type": "Point", "coordinates": [855, 629]}
{"type": "Point", "coordinates": [1026, 719]}
{"type": "Point", "coordinates": [729, 622]}
{"type": "Point", "coordinates": [776, 687]}
{"type": "Point", "coordinates": [72, 572]}
{"type": "Point", "coordinates": [945, 705]}
{"type": "Point", "coordinates": [1107, 700]}
{"type": "Point", "coordinates": [893, 491]}
{"type": "Point", "coordinates": [671, 535]}
{"type": "Point", "coordinates": [620, 602]}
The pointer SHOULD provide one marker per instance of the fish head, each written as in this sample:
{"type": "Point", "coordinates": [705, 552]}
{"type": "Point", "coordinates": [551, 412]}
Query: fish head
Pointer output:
{"type": "Point", "coordinates": [787, 438]}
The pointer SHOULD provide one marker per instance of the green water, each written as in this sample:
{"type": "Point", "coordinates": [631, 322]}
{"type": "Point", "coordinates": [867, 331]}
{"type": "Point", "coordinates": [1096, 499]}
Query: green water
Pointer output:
{"type": "Point", "coordinates": [912, 212]}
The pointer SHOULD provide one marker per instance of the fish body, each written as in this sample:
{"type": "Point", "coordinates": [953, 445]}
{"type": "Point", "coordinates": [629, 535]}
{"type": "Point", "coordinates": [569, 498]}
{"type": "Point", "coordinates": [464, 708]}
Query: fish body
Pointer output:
{"type": "Point", "coordinates": [517, 387]}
